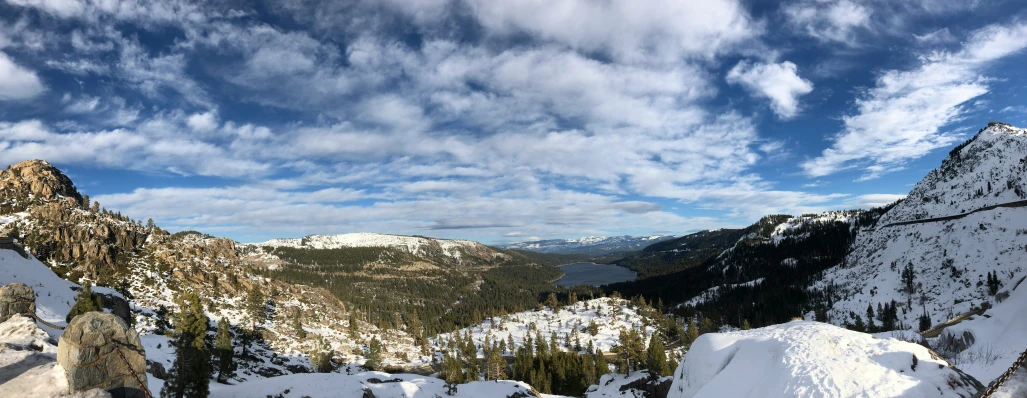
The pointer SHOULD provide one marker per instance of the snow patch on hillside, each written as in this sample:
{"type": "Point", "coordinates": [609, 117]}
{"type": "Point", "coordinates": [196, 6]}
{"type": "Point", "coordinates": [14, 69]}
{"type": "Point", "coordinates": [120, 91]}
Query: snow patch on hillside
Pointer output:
{"type": "Point", "coordinates": [810, 359]}
{"type": "Point", "coordinates": [570, 322]}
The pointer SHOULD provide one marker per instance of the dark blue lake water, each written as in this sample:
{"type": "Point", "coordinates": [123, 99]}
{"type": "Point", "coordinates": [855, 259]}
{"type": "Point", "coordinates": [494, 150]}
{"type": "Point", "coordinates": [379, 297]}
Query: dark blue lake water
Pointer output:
{"type": "Point", "coordinates": [594, 274]}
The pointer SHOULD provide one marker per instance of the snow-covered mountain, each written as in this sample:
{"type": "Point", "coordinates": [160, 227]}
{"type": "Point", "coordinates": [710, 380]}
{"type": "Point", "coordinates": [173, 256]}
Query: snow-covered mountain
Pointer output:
{"type": "Point", "coordinates": [591, 245]}
{"type": "Point", "coordinates": [417, 245]}
{"type": "Point", "coordinates": [949, 232]}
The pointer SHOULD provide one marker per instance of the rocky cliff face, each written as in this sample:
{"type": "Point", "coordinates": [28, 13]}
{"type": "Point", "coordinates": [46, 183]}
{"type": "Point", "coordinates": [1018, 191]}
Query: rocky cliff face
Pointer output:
{"type": "Point", "coordinates": [57, 226]}
{"type": "Point", "coordinates": [39, 179]}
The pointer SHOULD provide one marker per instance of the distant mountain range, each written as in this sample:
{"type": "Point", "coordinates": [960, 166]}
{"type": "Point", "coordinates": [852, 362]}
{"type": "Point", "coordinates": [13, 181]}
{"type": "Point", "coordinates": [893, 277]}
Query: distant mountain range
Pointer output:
{"type": "Point", "coordinates": [591, 245]}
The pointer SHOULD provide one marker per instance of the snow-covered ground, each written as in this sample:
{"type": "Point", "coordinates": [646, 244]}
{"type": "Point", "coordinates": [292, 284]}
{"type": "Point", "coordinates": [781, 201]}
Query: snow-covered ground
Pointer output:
{"type": "Point", "coordinates": [381, 385]}
{"type": "Point", "coordinates": [54, 296]}
{"type": "Point", "coordinates": [410, 244]}
{"type": "Point", "coordinates": [609, 314]}
{"type": "Point", "coordinates": [810, 359]}
{"type": "Point", "coordinates": [617, 385]}
{"type": "Point", "coordinates": [1000, 335]}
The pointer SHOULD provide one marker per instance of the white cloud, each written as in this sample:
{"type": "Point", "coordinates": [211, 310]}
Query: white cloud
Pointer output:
{"type": "Point", "coordinates": [899, 119]}
{"type": "Point", "coordinates": [203, 122]}
{"type": "Point", "coordinates": [17, 82]}
{"type": "Point", "coordinates": [829, 21]}
{"type": "Point", "coordinates": [626, 29]}
{"type": "Point", "coordinates": [875, 200]}
{"type": "Point", "coordinates": [778, 82]}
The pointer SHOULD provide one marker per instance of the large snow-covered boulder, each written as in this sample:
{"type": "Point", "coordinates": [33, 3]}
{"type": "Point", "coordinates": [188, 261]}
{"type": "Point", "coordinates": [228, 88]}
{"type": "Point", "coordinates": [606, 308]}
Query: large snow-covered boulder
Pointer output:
{"type": "Point", "coordinates": [27, 365]}
{"type": "Point", "coordinates": [811, 359]}
{"type": "Point", "coordinates": [99, 350]}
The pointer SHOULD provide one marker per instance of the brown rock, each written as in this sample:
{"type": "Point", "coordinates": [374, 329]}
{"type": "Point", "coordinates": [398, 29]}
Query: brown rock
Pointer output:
{"type": "Point", "coordinates": [88, 351]}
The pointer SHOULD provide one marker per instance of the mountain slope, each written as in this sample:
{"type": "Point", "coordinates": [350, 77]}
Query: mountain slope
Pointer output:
{"type": "Point", "coordinates": [591, 245]}
{"type": "Point", "coordinates": [949, 258]}
{"type": "Point", "coordinates": [673, 255]}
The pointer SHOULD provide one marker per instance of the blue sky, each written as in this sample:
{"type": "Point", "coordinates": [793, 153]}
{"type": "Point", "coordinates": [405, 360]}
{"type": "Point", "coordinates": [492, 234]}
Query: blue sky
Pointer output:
{"type": "Point", "coordinates": [500, 121]}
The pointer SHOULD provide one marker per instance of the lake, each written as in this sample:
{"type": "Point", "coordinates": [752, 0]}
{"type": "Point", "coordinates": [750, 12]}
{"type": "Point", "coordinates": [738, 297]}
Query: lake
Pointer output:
{"type": "Point", "coordinates": [593, 274]}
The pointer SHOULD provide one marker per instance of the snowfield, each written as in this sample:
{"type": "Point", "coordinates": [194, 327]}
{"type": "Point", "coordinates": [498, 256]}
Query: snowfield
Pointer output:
{"type": "Point", "coordinates": [810, 359]}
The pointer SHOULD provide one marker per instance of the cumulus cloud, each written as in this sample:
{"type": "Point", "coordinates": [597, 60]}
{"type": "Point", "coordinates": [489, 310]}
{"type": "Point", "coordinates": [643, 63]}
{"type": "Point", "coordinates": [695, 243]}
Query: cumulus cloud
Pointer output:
{"type": "Point", "coordinates": [900, 117]}
{"type": "Point", "coordinates": [17, 82]}
{"type": "Point", "coordinates": [780, 83]}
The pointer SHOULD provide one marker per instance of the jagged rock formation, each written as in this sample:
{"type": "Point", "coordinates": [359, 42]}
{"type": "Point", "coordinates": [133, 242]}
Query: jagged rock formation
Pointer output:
{"type": "Point", "coordinates": [16, 298]}
{"type": "Point", "coordinates": [57, 225]}
{"type": "Point", "coordinates": [99, 350]}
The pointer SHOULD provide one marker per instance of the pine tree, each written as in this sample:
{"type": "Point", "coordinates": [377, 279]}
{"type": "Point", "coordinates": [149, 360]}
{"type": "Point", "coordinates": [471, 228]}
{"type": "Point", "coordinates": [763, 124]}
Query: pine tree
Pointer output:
{"type": "Point", "coordinates": [551, 301]}
{"type": "Point", "coordinates": [161, 324]}
{"type": "Point", "coordinates": [256, 307]}
{"type": "Point", "coordinates": [745, 324]}
{"type": "Point", "coordinates": [85, 301]}
{"type": "Point", "coordinates": [297, 327]}
{"type": "Point", "coordinates": [225, 352]}
{"type": "Point", "coordinates": [495, 365]}
{"type": "Point", "coordinates": [602, 367]}
{"type": "Point", "coordinates": [909, 282]}
{"type": "Point", "coordinates": [656, 356]}
{"type": "Point", "coordinates": [870, 318]}
{"type": "Point", "coordinates": [321, 356]}
{"type": "Point", "coordinates": [354, 325]}
{"type": "Point", "coordinates": [374, 355]}
{"type": "Point", "coordinates": [190, 373]}
{"type": "Point", "coordinates": [691, 333]}
{"type": "Point", "coordinates": [925, 321]}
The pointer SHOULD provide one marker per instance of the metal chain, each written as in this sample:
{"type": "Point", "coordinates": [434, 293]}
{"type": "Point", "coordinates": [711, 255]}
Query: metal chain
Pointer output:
{"type": "Point", "coordinates": [993, 388]}
{"type": "Point", "coordinates": [139, 382]}
{"type": "Point", "coordinates": [40, 320]}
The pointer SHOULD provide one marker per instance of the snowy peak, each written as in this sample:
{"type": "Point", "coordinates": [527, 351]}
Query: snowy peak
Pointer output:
{"type": "Point", "coordinates": [417, 245]}
{"type": "Point", "coordinates": [589, 244]}
{"type": "Point", "coordinates": [989, 169]}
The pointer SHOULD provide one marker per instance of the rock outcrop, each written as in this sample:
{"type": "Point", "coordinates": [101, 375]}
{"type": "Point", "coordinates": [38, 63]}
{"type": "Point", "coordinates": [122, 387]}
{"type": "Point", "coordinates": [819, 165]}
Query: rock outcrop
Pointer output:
{"type": "Point", "coordinates": [38, 178]}
{"type": "Point", "coordinates": [89, 353]}
{"type": "Point", "coordinates": [16, 298]}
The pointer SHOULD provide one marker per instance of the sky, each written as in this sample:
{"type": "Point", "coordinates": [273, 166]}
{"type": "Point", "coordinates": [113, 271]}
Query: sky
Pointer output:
{"type": "Point", "coordinates": [500, 121]}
